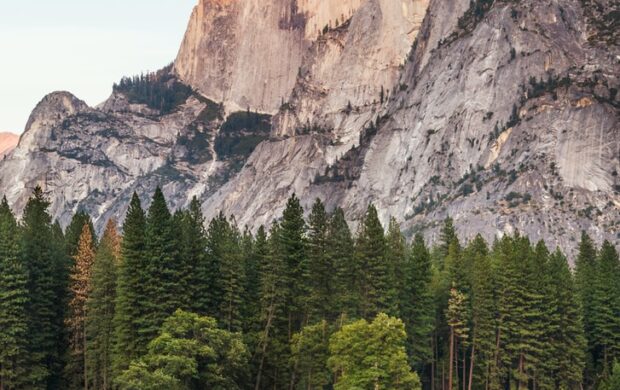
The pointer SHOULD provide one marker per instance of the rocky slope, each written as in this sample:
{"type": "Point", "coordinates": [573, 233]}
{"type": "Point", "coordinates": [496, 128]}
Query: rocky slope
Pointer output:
{"type": "Point", "coordinates": [8, 142]}
{"type": "Point", "coordinates": [502, 114]}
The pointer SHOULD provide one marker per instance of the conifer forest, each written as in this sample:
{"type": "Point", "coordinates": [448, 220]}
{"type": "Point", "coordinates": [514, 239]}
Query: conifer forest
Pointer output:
{"type": "Point", "coordinates": [168, 300]}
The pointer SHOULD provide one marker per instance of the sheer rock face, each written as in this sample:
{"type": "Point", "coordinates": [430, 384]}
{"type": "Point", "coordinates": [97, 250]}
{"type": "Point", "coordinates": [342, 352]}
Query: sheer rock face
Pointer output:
{"type": "Point", "coordinates": [8, 142]}
{"type": "Point", "coordinates": [506, 121]}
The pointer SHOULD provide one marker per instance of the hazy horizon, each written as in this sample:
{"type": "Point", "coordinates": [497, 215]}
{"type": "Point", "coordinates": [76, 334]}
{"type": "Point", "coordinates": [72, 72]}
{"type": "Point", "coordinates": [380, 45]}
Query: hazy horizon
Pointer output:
{"type": "Point", "coordinates": [82, 47]}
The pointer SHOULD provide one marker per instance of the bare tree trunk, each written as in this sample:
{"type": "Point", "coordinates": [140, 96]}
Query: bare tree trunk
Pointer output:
{"type": "Point", "coordinates": [84, 357]}
{"type": "Point", "coordinates": [471, 362]}
{"type": "Point", "coordinates": [464, 368]}
{"type": "Point", "coordinates": [443, 377]}
{"type": "Point", "coordinates": [451, 363]}
{"type": "Point", "coordinates": [264, 349]}
{"type": "Point", "coordinates": [433, 362]}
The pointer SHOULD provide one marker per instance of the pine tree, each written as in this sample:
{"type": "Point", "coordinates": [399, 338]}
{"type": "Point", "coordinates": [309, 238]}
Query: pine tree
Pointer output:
{"type": "Point", "coordinates": [165, 289]}
{"type": "Point", "coordinates": [375, 274]}
{"type": "Point", "coordinates": [193, 246]}
{"type": "Point", "coordinates": [232, 277]}
{"type": "Point", "coordinates": [416, 305]}
{"type": "Point", "coordinates": [483, 308]}
{"type": "Point", "coordinates": [75, 322]}
{"type": "Point", "coordinates": [74, 232]}
{"type": "Point", "coordinates": [100, 308]}
{"type": "Point", "coordinates": [320, 269]}
{"type": "Point", "coordinates": [457, 317]}
{"type": "Point", "coordinates": [606, 300]}
{"type": "Point", "coordinates": [446, 237]}
{"type": "Point", "coordinates": [567, 340]}
{"type": "Point", "coordinates": [340, 249]}
{"type": "Point", "coordinates": [14, 358]}
{"type": "Point", "coordinates": [293, 249]}
{"type": "Point", "coordinates": [212, 294]}
{"type": "Point", "coordinates": [41, 257]}
{"type": "Point", "coordinates": [128, 342]}
{"type": "Point", "coordinates": [585, 274]}
{"type": "Point", "coordinates": [395, 258]}
{"type": "Point", "coordinates": [272, 354]}
{"type": "Point", "coordinates": [256, 251]}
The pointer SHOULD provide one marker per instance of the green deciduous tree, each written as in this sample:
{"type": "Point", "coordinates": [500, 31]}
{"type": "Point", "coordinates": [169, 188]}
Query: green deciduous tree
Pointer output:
{"type": "Point", "coordinates": [371, 356]}
{"type": "Point", "coordinates": [310, 351]}
{"type": "Point", "coordinates": [191, 352]}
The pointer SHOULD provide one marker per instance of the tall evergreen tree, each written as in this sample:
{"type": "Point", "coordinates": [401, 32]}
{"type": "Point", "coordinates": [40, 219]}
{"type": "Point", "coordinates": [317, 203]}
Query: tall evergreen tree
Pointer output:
{"type": "Point", "coordinates": [375, 273]}
{"type": "Point", "coordinates": [567, 342]}
{"type": "Point", "coordinates": [193, 247]}
{"type": "Point", "coordinates": [606, 300]}
{"type": "Point", "coordinates": [293, 249]}
{"type": "Point", "coordinates": [272, 354]}
{"type": "Point", "coordinates": [46, 290]}
{"type": "Point", "coordinates": [395, 258]}
{"type": "Point", "coordinates": [100, 308]}
{"type": "Point", "coordinates": [128, 342]}
{"type": "Point", "coordinates": [14, 358]}
{"type": "Point", "coordinates": [212, 295]}
{"type": "Point", "coordinates": [165, 288]}
{"type": "Point", "coordinates": [320, 269]}
{"type": "Point", "coordinates": [232, 277]}
{"type": "Point", "coordinates": [585, 274]}
{"type": "Point", "coordinates": [483, 308]}
{"type": "Point", "coordinates": [340, 248]}
{"type": "Point", "coordinates": [457, 317]}
{"type": "Point", "coordinates": [74, 232]}
{"type": "Point", "coordinates": [75, 322]}
{"type": "Point", "coordinates": [416, 306]}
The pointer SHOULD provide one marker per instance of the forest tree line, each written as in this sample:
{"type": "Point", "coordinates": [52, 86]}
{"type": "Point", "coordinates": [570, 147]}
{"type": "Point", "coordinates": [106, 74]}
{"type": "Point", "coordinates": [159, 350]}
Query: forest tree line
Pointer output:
{"type": "Point", "coordinates": [179, 303]}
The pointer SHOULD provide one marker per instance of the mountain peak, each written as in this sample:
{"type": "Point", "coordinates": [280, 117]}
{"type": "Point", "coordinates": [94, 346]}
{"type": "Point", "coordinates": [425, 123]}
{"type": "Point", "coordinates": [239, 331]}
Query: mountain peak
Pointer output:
{"type": "Point", "coordinates": [8, 142]}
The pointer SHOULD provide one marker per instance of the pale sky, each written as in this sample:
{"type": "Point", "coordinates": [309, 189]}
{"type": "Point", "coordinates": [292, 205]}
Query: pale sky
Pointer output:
{"type": "Point", "coordinates": [81, 46]}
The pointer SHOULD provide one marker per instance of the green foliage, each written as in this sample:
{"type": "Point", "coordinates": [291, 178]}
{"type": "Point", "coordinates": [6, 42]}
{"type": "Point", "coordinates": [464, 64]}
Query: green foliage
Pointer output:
{"type": "Point", "coordinates": [471, 317]}
{"type": "Point", "coordinates": [371, 356]}
{"type": "Point", "coordinates": [160, 90]}
{"type": "Point", "coordinates": [100, 309]}
{"type": "Point", "coordinates": [189, 353]}
{"type": "Point", "coordinates": [241, 133]}
{"type": "Point", "coordinates": [320, 277]}
{"type": "Point", "coordinates": [310, 351]}
{"type": "Point", "coordinates": [73, 231]}
{"type": "Point", "coordinates": [606, 302]}
{"type": "Point", "coordinates": [375, 273]}
{"type": "Point", "coordinates": [340, 249]}
{"type": "Point", "coordinates": [416, 304]}
{"type": "Point", "coordinates": [14, 364]}
{"type": "Point", "coordinates": [46, 264]}
{"type": "Point", "coordinates": [165, 276]}
{"type": "Point", "coordinates": [613, 382]}
{"type": "Point", "coordinates": [128, 343]}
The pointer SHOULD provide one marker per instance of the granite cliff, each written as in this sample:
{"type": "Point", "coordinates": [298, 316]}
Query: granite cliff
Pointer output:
{"type": "Point", "coordinates": [502, 114]}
